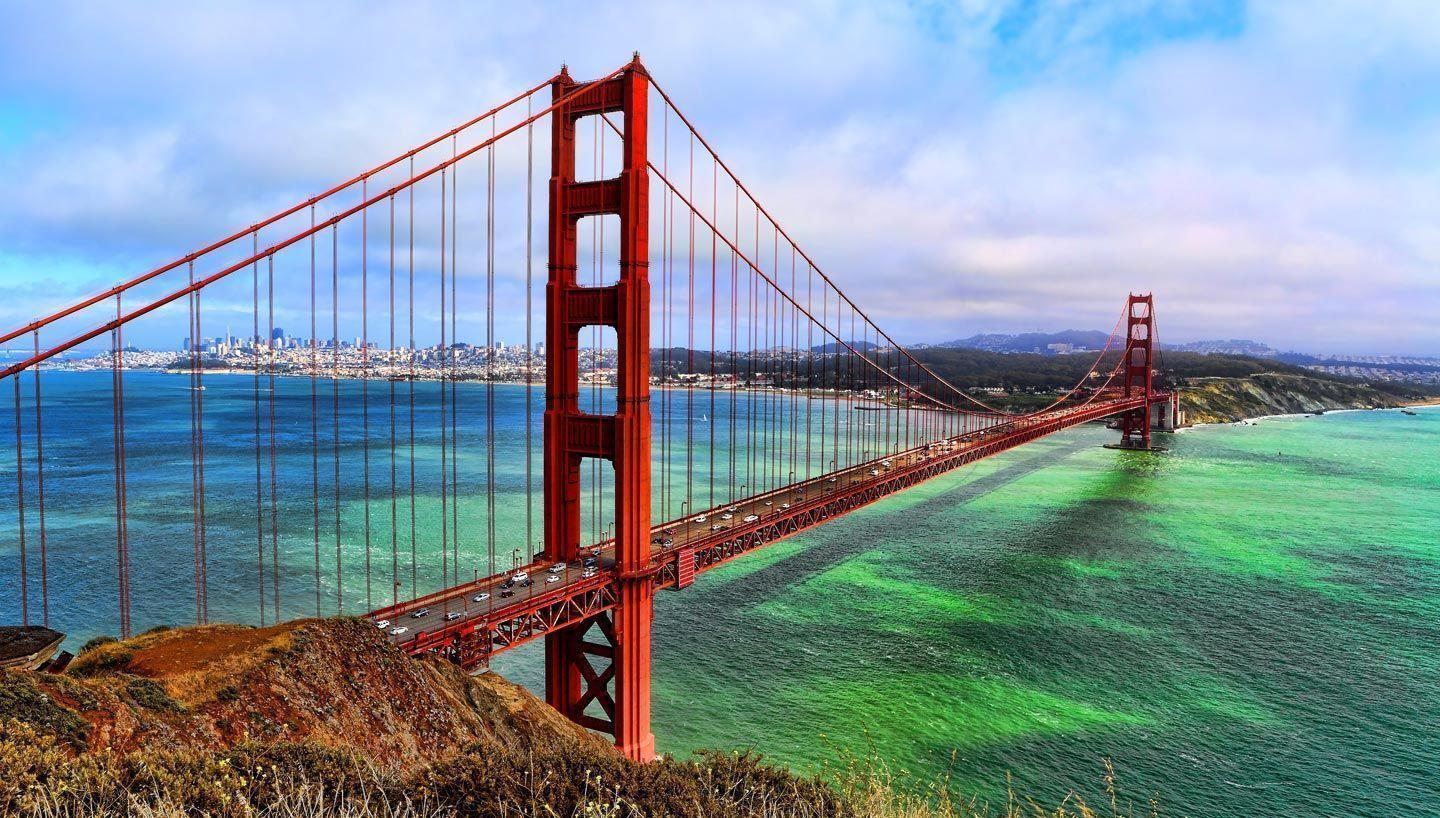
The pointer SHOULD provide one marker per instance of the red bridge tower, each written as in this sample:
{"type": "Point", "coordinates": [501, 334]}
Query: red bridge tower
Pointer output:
{"type": "Point", "coordinates": [1138, 374]}
{"type": "Point", "coordinates": [572, 681]}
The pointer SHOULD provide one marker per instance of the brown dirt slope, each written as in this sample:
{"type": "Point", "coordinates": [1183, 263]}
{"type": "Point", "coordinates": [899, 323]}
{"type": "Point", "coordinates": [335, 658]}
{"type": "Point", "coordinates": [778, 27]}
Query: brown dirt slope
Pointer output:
{"type": "Point", "coordinates": [323, 717]}
{"type": "Point", "coordinates": [333, 682]}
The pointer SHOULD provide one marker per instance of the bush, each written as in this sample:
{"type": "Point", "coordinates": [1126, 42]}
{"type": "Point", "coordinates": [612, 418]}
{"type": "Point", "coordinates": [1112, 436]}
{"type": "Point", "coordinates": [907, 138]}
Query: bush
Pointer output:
{"type": "Point", "coordinates": [23, 702]}
{"type": "Point", "coordinates": [97, 642]}
{"type": "Point", "coordinates": [152, 696]}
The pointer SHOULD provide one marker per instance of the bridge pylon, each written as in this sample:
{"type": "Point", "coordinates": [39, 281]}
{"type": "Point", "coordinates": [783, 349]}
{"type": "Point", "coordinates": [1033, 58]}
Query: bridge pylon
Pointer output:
{"type": "Point", "coordinates": [597, 672]}
{"type": "Point", "coordinates": [1138, 371]}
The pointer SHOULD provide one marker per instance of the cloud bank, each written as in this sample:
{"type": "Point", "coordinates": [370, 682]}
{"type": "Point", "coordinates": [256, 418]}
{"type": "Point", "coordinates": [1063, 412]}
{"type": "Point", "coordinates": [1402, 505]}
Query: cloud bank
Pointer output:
{"type": "Point", "coordinates": [1268, 169]}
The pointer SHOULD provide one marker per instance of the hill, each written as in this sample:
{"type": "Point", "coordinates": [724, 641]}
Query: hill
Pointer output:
{"type": "Point", "coordinates": [1029, 341]}
{"type": "Point", "coordinates": [324, 717]}
{"type": "Point", "coordinates": [1226, 400]}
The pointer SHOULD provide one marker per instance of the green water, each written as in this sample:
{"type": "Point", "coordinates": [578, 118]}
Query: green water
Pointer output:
{"type": "Point", "coordinates": [1245, 625]}
{"type": "Point", "coordinates": [1249, 624]}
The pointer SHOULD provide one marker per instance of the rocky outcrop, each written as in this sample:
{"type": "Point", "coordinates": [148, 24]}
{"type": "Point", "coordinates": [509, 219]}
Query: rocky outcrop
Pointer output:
{"type": "Point", "coordinates": [1227, 400]}
{"type": "Point", "coordinates": [334, 682]}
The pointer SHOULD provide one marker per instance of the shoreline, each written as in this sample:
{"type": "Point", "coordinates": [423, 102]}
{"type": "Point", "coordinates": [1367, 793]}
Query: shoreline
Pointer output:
{"type": "Point", "coordinates": [1255, 419]}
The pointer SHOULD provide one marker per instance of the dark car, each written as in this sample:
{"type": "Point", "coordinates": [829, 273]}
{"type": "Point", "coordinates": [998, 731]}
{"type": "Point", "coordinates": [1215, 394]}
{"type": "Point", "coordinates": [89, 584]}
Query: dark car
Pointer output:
{"type": "Point", "coordinates": [506, 592]}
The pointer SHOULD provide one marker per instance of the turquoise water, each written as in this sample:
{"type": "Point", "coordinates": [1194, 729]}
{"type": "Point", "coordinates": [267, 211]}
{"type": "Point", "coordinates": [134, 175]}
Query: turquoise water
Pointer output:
{"type": "Point", "coordinates": [1244, 625]}
{"type": "Point", "coordinates": [1248, 624]}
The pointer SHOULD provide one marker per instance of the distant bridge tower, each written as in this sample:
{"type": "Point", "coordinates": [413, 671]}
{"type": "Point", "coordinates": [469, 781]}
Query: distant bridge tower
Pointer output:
{"type": "Point", "coordinates": [620, 686]}
{"type": "Point", "coordinates": [1138, 372]}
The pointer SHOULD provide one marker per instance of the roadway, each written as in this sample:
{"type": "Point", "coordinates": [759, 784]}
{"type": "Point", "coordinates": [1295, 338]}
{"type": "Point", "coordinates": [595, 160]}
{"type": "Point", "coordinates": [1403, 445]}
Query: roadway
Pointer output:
{"type": "Point", "coordinates": [706, 526]}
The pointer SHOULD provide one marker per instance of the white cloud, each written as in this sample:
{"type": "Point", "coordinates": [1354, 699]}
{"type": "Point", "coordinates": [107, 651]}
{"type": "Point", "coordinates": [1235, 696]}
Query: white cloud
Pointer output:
{"type": "Point", "coordinates": [1278, 183]}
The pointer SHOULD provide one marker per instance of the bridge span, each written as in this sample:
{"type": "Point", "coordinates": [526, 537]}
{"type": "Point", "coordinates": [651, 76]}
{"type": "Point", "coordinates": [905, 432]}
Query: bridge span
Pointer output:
{"type": "Point", "coordinates": [470, 623]}
{"type": "Point", "coordinates": [427, 261]}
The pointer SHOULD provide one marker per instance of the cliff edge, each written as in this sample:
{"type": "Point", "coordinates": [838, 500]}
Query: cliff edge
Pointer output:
{"type": "Point", "coordinates": [1227, 400]}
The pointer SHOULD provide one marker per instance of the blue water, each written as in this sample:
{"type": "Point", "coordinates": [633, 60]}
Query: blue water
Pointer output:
{"type": "Point", "coordinates": [1248, 624]}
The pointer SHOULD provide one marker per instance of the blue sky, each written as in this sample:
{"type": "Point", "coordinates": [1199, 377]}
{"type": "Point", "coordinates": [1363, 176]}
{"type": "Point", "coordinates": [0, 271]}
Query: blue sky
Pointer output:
{"type": "Point", "coordinates": [1269, 169]}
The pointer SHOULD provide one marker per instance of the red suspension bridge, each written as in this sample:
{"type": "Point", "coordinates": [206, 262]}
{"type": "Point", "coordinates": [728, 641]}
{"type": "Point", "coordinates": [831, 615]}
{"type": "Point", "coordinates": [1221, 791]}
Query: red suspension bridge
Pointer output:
{"type": "Point", "coordinates": [388, 463]}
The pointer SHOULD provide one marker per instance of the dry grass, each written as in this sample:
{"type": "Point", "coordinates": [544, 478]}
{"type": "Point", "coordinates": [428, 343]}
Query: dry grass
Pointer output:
{"type": "Point", "coordinates": [194, 663]}
{"type": "Point", "coordinates": [44, 780]}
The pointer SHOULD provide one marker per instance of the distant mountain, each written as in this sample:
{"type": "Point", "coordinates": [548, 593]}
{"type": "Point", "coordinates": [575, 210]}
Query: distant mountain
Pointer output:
{"type": "Point", "coordinates": [860, 346]}
{"type": "Point", "coordinates": [1039, 342]}
{"type": "Point", "coordinates": [1074, 340]}
{"type": "Point", "coordinates": [1234, 346]}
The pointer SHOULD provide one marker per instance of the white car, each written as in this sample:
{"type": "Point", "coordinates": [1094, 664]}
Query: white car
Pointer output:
{"type": "Point", "coordinates": [520, 576]}
{"type": "Point", "coordinates": [383, 624]}
{"type": "Point", "coordinates": [700, 519]}
{"type": "Point", "coordinates": [750, 518]}
{"type": "Point", "coordinates": [481, 597]}
{"type": "Point", "coordinates": [549, 578]}
{"type": "Point", "coordinates": [874, 473]}
{"type": "Point", "coordinates": [452, 616]}
{"type": "Point", "coordinates": [726, 516]}
{"type": "Point", "coordinates": [399, 631]}
{"type": "Point", "coordinates": [784, 505]}
{"type": "Point", "coordinates": [587, 573]}
{"type": "Point", "coordinates": [557, 568]}
{"type": "Point", "coordinates": [731, 510]}
{"type": "Point", "coordinates": [768, 503]}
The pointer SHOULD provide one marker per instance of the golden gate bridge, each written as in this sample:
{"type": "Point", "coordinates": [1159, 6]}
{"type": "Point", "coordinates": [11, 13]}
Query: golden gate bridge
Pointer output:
{"type": "Point", "coordinates": [444, 237]}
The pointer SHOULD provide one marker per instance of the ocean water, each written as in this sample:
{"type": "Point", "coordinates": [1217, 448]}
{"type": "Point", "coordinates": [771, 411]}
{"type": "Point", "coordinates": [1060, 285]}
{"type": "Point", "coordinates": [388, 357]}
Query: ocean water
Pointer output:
{"type": "Point", "coordinates": [1247, 624]}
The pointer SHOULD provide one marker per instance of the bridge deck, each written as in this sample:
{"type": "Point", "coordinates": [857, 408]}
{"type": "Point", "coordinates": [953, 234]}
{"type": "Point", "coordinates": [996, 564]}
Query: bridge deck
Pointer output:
{"type": "Point", "coordinates": [473, 621]}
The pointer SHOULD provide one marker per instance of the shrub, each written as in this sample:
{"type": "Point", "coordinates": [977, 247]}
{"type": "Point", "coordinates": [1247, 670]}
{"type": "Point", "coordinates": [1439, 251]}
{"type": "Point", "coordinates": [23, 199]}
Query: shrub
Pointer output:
{"type": "Point", "coordinates": [97, 642]}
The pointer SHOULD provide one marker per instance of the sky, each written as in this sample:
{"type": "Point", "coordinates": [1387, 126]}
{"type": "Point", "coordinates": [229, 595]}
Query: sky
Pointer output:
{"type": "Point", "coordinates": [1270, 170]}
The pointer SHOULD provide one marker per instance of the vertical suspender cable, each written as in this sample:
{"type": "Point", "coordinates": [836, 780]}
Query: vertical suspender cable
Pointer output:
{"type": "Point", "coordinates": [690, 343]}
{"type": "Point", "coordinates": [335, 405]}
{"type": "Point", "coordinates": [365, 377]}
{"type": "Point", "coordinates": [529, 342]}
{"type": "Point", "coordinates": [122, 526]}
{"type": "Point", "coordinates": [490, 530]}
{"type": "Point", "coordinates": [714, 297]}
{"type": "Point", "coordinates": [40, 492]}
{"type": "Point", "coordinates": [443, 364]}
{"type": "Point", "coordinates": [410, 305]}
{"type": "Point", "coordinates": [255, 399]}
{"type": "Point", "coordinates": [454, 362]}
{"type": "Point", "coordinates": [393, 369]}
{"type": "Point", "coordinates": [274, 473]}
{"type": "Point", "coordinates": [20, 509]}
{"type": "Point", "coordinates": [314, 419]}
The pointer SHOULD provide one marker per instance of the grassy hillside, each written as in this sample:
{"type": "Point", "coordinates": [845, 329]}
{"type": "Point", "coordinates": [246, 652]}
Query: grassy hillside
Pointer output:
{"type": "Point", "coordinates": [325, 718]}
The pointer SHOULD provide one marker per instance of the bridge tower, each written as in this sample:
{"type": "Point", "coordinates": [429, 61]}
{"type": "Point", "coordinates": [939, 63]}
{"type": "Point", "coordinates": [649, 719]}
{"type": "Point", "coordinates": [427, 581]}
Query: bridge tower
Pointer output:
{"type": "Point", "coordinates": [1138, 374]}
{"type": "Point", "coordinates": [620, 638]}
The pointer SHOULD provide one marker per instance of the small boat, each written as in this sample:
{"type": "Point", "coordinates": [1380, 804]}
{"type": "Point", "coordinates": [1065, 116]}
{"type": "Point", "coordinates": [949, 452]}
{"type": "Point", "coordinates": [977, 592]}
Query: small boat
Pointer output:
{"type": "Point", "coordinates": [1406, 412]}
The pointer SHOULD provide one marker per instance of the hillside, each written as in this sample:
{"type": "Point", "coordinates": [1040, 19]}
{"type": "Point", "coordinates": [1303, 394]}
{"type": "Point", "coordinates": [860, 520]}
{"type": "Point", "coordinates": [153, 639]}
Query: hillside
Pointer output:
{"type": "Point", "coordinates": [229, 720]}
{"type": "Point", "coordinates": [334, 682]}
{"type": "Point", "coordinates": [324, 718]}
{"type": "Point", "coordinates": [1226, 400]}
